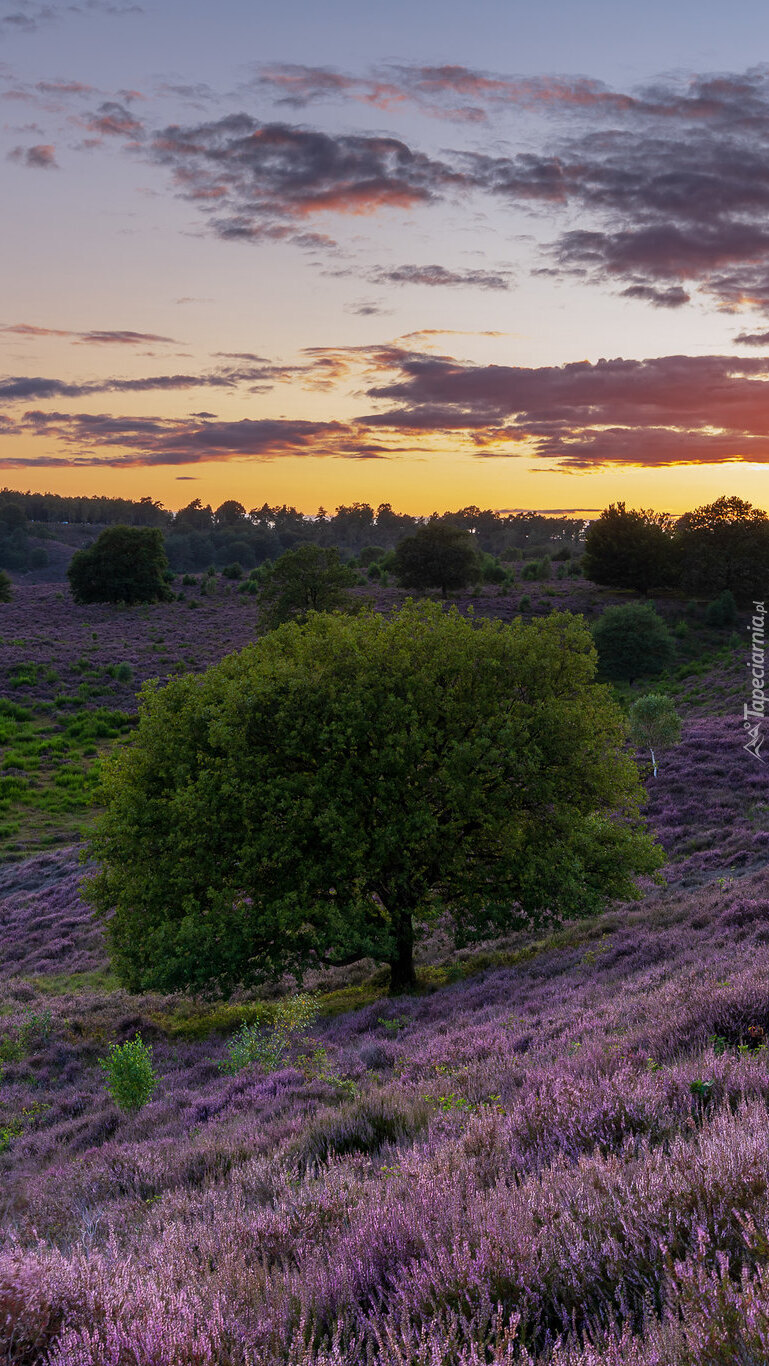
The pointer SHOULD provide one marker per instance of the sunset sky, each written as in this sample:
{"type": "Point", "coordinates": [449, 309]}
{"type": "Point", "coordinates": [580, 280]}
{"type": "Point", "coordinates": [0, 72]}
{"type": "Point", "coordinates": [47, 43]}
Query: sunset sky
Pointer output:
{"type": "Point", "coordinates": [427, 254]}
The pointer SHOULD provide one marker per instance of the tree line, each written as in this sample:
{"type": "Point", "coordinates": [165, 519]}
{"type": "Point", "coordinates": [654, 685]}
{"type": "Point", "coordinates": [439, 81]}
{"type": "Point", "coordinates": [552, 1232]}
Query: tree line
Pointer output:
{"type": "Point", "coordinates": [722, 547]}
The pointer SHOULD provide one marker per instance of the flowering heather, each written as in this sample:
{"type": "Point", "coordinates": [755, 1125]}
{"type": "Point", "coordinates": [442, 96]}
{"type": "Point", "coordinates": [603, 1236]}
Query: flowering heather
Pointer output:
{"type": "Point", "coordinates": [556, 1153]}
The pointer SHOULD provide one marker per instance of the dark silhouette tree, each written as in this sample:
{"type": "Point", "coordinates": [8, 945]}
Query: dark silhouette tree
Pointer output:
{"type": "Point", "coordinates": [125, 564]}
{"type": "Point", "coordinates": [632, 642]}
{"type": "Point", "coordinates": [629, 549]}
{"type": "Point", "coordinates": [231, 513]}
{"type": "Point", "coordinates": [438, 555]}
{"type": "Point", "coordinates": [724, 545]}
{"type": "Point", "coordinates": [310, 578]}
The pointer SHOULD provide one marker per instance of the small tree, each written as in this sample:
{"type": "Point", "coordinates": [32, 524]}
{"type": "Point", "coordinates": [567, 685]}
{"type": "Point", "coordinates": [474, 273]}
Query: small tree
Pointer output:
{"type": "Point", "coordinates": [130, 1074]}
{"type": "Point", "coordinates": [438, 555]}
{"type": "Point", "coordinates": [654, 725]}
{"type": "Point", "coordinates": [632, 642]}
{"type": "Point", "coordinates": [310, 578]}
{"type": "Point", "coordinates": [125, 564]}
{"type": "Point", "coordinates": [339, 787]}
{"type": "Point", "coordinates": [628, 549]}
{"type": "Point", "coordinates": [6, 587]}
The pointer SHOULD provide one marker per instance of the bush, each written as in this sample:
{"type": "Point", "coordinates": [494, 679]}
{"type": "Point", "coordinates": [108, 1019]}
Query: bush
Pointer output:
{"type": "Point", "coordinates": [722, 612]}
{"type": "Point", "coordinates": [233, 571]}
{"type": "Point", "coordinates": [537, 569]}
{"type": "Point", "coordinates": [6, 588]}
{"type": "Point", "coordinates": [131, 1077]}
{"type": "Point", "coordinates": [270, 1047]}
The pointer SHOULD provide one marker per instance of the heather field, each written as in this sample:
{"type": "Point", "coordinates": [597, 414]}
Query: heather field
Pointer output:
{"type": "Point", "coordinates": [555, 1152]}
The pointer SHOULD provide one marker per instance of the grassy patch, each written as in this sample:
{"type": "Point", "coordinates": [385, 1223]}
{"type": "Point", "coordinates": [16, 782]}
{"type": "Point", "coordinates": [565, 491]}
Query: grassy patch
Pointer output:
{"type": "Point", "coordinates": [73, 983]}
{"type": "Point", "coordinates": [49, 772]}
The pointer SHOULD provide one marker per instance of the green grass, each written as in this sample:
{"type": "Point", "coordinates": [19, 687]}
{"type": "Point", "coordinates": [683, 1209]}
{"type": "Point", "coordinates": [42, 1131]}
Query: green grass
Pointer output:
{"type": "Point", "coordinates": [49, 772]}
{"type": "Point", "coordinates": [71, 983]}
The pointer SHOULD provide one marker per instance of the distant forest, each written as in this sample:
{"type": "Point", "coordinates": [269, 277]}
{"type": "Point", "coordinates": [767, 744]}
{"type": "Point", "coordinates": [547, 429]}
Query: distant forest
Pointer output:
{"type": "Point", "coordinates": [198, 535]}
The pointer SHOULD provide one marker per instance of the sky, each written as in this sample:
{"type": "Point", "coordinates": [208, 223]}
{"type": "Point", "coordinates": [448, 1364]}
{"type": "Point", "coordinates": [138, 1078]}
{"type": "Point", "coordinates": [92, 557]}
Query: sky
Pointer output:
{"type": "Point", "coordinates": [427, 254]}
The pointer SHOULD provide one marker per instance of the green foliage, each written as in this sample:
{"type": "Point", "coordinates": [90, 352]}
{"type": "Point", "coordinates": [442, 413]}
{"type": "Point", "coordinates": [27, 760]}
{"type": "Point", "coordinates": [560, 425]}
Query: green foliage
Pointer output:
{"type": "Point", "coordinates": [131, 1078]}
{"type": "Point", "coordinates": [632, 642]}
{"type": "Point", "coordinates": [438, 555]}
{"type": "Point", "coordinates": [18, 1124]}
{"type": "Point", "coordinates": [654, 724]}
{"type": "Point", "coordinates": [317, 1066]}
{"type": "Point", "coordinates": [536, 570]}
{"type": "Point", "coordinates": [233, 571]}
{"type": "Point", "coordinates": [6, 587]}
{"type": "Point", "coordinates": [722, 612]}
{"type": "Point", "coordinates": [310, 578]}
{"type": "Point", "coordinates": [270, 1048]}
{"type": "Point", "coordinates": [125, 564]}
{"type": "Point", "coordinates": [492, 571]}
{"type": "Point", "coordinates": [370, 554]}
{"type": "Point", "coordinates": [628, 549]}
{"type": "Point", "coordinates": [334, 788]}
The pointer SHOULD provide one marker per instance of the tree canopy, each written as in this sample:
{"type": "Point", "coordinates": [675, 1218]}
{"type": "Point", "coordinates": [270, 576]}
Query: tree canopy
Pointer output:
{"type": "Point", "coordinates": [628, 549]}
{"type": "Point", "coordinates": [332, 790]}
{"type": "Point", "coordinates": [724, 545]}
{"type": "Point", "coordinates": [125, 564]}
{"type": "Point", "coordinates": [439, 555]}
{"type": "Point", "coordinates": [311, 578]}
{"type": "Point", "coordinates": [632, 642]}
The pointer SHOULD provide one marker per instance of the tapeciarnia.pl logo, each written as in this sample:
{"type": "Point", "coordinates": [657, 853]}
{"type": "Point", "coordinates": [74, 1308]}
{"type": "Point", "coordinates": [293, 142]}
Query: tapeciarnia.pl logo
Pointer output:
{"type": "Point", "coordinates": [754, 712]}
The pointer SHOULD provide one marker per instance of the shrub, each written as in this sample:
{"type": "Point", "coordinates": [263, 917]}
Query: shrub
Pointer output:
{"type": "Point", "coordinates": [269, 1048]}
{"type": "Point", "coordinates": [6, 587]}
{"type": "Point", "coordinates": [536, 569]}
{"type": "Point", "coordinates": [130, 1074]}
{"type": "Point", "coordinates": [722, 612]}
{"type": "Point", "coordinates": [233, 571]}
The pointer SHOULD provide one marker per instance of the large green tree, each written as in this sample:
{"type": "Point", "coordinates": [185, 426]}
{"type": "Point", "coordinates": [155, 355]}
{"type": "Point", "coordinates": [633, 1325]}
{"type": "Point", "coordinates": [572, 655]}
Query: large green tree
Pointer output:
{"type": "Point", "coordinates": [438, 555]}
{"type": "Point", "coordinates": [311, 578]}
{"type": "Point", "coordinates": [124, 564]}
{"type": "Point", "coordinates": [335, 788]}
{"type": "Point", "coordinates": [629, 549]}
{"type": "Point", "coordinates": [724, 545]}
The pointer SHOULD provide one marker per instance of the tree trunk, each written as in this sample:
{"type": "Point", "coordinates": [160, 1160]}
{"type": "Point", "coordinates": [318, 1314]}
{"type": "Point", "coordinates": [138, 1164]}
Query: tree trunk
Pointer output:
{"type": "Point", "coordinates": [402, 974]}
